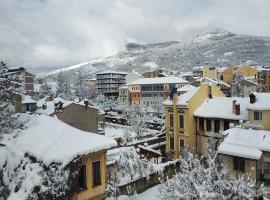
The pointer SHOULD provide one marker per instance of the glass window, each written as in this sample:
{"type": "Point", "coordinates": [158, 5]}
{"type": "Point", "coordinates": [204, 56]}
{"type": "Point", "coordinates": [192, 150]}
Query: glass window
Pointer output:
{"type": "Point", "coordinates": [226, 125]}
{"type": "Point", "coordinates": [201, 124]}
{"type": "Point", "coordinates": [181, 121]}
{"type": "Point", "coordinates": [239, 164]}
{"type": "Point", "coordinates": [96, 173]}
{"type": "Point", "coordinates": [171, 120]}
{"type": "Point", "coordinates": [171, 143]}
{"type": "Point", "coordinates": [257, 115]}
{"type": "Point", "coordinates": [182, 144]}
{"type": "Point", "coordinates": [217, 126]}
{"type": "Point", "coordinates": [82, 184]}
{"type": "Point", "coordinates": [208, 125]}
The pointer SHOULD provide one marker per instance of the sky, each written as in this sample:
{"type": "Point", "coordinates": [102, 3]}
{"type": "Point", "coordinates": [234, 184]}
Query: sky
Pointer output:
{"type": "Point", "coordinates": [46, 33]}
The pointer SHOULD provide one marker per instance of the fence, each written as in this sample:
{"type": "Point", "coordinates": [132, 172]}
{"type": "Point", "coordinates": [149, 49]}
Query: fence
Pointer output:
{"type": "Point", "coordinates": [142, 184]}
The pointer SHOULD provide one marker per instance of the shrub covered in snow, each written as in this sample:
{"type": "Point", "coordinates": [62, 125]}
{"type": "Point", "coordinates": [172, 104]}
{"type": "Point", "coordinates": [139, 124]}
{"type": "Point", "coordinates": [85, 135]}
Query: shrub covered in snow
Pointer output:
{"type": "Point", "coordinates": [129, 167]}
{"type": "Point", "coordinates": [205, 178]}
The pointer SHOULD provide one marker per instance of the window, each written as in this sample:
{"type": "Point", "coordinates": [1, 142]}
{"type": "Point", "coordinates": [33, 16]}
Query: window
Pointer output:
{"type": "Point", "coordinates": [239, 164]}
{"type": "Point", "coordinates": [82, 184]}
{"type": "Point", "coordinates": [181, 121]}
{"type": "Point", "coordinates": [182, 144]}
{"type": "Point", "coordinates": [171, 120]}
{"type": "Point", "coordinates": [96, 173]}
{"type": "Point", "coordinates": [226, 125]}
{"type": "Point", "coordinates": [217, 126]}
{"type": "Point", "coordinates": [257, 115]}
{"type": "Point", "coordinates": [201, 124]}
{"type": "Point", "coordinates": [171, 143]}
{"type": "Point", "coordinates": [208, 125]}
{"type": "Point", "coordinates": [221, 77]}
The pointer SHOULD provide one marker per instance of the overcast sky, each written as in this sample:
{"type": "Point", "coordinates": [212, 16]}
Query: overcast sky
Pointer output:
{"type": "Point", "coordinates": [63, 32]}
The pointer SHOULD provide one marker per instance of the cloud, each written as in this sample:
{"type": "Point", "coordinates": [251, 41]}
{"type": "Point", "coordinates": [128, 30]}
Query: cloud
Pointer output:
{"type": "Point", "coordinates": [58, 33]}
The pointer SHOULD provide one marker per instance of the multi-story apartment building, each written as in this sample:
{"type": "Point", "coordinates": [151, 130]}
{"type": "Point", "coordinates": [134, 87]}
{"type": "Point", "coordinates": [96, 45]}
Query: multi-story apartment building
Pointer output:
{"type": "Point", "coordinates": [264, 78]}
{"type": "Point", "coordinates": [180, 121]}
{"type": "Point", "coordinates": [151, 92]}
{"type": "Point", "coordinates": [27, 78]}
{"type": "Point", "coordinates": [109, 81]}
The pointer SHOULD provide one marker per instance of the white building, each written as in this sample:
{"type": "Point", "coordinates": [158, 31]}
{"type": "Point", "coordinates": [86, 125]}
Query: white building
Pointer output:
{"type": "Point", "coordinates": [109, 81]}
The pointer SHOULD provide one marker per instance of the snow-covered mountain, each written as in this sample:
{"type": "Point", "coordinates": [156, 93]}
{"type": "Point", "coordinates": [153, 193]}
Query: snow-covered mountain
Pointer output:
{"type": "Point", "coordinates": [218, 48]}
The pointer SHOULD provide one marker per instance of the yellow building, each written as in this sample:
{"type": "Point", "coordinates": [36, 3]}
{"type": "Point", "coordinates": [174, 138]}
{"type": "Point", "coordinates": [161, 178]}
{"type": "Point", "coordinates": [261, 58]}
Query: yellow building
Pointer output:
{"type": "Point", "coordinates": [91, 180]}
{"type": "Point", "coordinates": [215, 116]}
{"type": "Point", "coordinates": [264, 78]}
{"type": "Point", "coordinates": [180, 122]}
{"type": "Point", "coordinates": [210, 72]}
{"type": "Point", "coordinates": [247, 152]}
{"type": "Point", "coordinates": [259, 110]}
{"type": "Point", "coordinates": [226, 74]}
{"type": "Point", "coordinates": [62, 150]}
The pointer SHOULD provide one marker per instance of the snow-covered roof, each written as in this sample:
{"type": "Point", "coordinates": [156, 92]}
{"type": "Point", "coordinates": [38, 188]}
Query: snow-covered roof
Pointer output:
{"type": "Point", "coordinates": [245, 143]}
{"type": "Point", "coordinates": [212, 80]}
{"type": "Point", "coordinates": [184, 98]}
{"type": "Point", "coordinates": [51, 140]}
{"type": "Point", "coordinates": [262, 102]}
{"type": "Point", "coordinates": [222, 69]}
{"type": "Point", "coordinates": [221, 107]}
{"type": "Point", "coordinates": [28, 99]}
{"type": "Point", "coordinates": [149, 149]}
{"type": "Point", "coordinates": [161, 80]}
{"type": "Point", "coordinates": [50, 105]}
{"type": "Point", "coordinates": [248, 83]}
{"type": "Point", "coordinates": [123, 87]}
{"type": "Point", "coordinates": [186, 88]}
{"type": "Point", "coordinates": [81, 103]}
{"type": "Point", "coordinates": [199, 68]}
{"type": "Point", "coordinates": [186, 74]}
{"type": "Point", "coordinates": [111, 72]}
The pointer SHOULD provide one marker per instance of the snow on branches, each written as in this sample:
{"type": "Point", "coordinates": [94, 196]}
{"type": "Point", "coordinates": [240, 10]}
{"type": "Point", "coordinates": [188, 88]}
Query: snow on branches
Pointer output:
{"type": "Point", "coordinates": [44, 90]}
{"type": "Point", "coordinates": [82, 88]}
{"type": "Point", "coordinates": [63, 86]}
{"type": "Point", "coordinates": [137, 122]}
{"type": "Point", "coordinates": [10, 90]}
{"type": "Point", "coordinates": [205, 178]}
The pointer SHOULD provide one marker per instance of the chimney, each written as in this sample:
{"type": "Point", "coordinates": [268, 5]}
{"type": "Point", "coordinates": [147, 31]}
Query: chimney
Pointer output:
{"type": "Point", "coordinates": [86, 103]}
{"type": "Point", "coordinates": [173, 93]}
{"type": "Point", "coordinates": [236, 107]}
{"type": "Point", "coordinates": [252, 98]}
{"type": "Point", "coordinates": [210, 96]}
